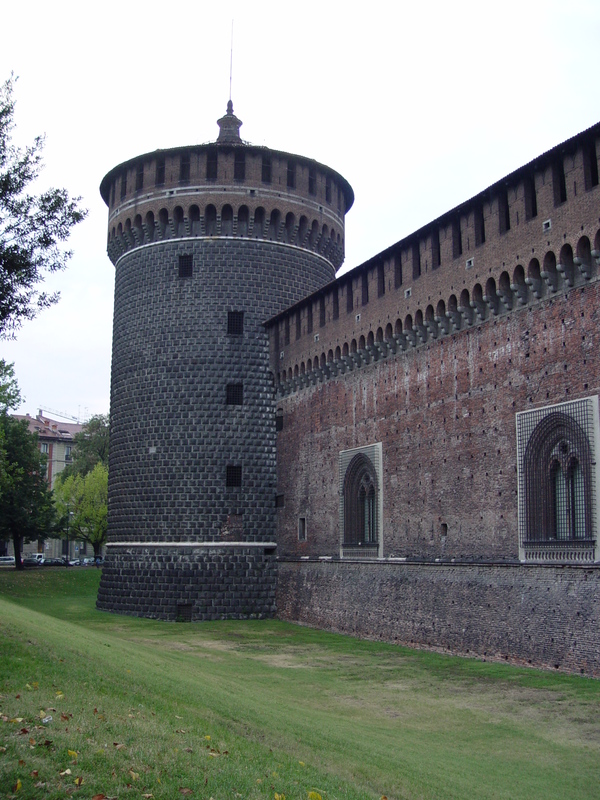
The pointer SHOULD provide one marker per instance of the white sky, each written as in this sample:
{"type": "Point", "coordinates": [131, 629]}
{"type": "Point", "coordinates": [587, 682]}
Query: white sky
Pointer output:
{"type": "Point", "coordinates": [419, 105]}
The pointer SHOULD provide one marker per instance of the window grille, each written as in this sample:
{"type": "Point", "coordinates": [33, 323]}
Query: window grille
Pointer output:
{"type": "Point", "coordinates": [233, 477]}
{"type": "Point", "coordinates": [235, 323]}
{"type": "Point", "coordinates": [235, 394]}
{"type": "Point", "coordinates": [186, 266]}
{"type": "Point", "coordinates": [557, 481]}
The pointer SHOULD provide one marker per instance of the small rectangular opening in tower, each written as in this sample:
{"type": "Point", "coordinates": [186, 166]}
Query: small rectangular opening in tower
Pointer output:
{"type": "Point", "coordinates": [186, 265]}
{"type": "Point", "coordinates": [235, 323]}
{"type": "Point", "coordinates": [239, 166]}
{"type": "Point", "coordinates": [312, 180]}
{"type": "Point", "coordinates": [235, 394]}
{"type": "Point", "coordinates": [184, 168]}
{"type": "Point", "coordinates": [139, 177]}
{"type": "Point", "coordinates": [266, 175]}
{"type": "Point", "coordinates": [233, 476]}
{"type": "Point", "coordinates": [160, 172]}
{"type": "Point", "coordinates": [291, 174]}
{"type": "Point", "coordinates": [211, 164]}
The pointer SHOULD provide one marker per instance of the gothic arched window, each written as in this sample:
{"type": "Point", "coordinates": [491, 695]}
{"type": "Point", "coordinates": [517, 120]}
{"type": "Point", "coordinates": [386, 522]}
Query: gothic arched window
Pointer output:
{"type": "Point", "coordinates": [557, 485]}
{"type": "Point", "coordinates": [360, 502]}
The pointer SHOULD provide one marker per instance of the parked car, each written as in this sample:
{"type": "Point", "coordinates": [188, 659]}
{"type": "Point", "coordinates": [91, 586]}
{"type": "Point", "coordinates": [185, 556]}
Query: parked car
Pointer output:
{"type": "Point", "coordinates": [53, 562]}
{"type": "Point", "coordinates": [8, 561]}
{"type": "Point", "coordinates": [32, 562]}
{"type": "Point", "coordinates": [88, 562]}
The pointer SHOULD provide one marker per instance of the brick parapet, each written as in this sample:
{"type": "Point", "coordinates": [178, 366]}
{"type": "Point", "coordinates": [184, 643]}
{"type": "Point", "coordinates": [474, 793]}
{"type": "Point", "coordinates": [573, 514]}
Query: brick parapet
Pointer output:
{"type": "Point", "coordinates": [510, 269]}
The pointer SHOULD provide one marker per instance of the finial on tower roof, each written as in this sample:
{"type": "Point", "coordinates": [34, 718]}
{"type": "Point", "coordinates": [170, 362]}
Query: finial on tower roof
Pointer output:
{"type": "Point", "coordinates": [229, 127]}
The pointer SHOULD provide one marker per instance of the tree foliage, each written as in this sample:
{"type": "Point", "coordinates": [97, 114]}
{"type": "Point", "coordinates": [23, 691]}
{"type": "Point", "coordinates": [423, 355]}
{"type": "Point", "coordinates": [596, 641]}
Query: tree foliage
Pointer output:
{"type": "Point", "coordinates": [82, 502]}
{"type": "Point", "coordinates": [26, 508]}
{"type": "Point", "coordinates": [32, 227]}
{"type": "Point", "coordinates": [10, 396]}
{"type": "Point", "coordinates": [90, 447]}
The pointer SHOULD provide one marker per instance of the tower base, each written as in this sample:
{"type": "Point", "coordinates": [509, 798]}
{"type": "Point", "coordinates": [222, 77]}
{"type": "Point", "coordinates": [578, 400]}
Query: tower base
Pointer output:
{"type": "Point", "coordinates": [190, 582]}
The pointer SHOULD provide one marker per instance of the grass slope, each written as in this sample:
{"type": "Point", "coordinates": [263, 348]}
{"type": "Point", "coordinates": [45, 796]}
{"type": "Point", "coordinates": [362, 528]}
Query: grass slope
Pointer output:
{"type": "Point", "coordinates": [267, 709]}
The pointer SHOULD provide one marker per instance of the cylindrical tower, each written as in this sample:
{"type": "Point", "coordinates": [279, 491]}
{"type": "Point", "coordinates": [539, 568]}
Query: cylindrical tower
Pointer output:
{"type": "Point", "coordinates": [208, 242]}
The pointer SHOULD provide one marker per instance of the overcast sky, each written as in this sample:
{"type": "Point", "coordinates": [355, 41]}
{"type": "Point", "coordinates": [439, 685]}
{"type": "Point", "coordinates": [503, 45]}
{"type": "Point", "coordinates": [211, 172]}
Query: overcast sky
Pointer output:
{"type": "Point", "coordinates": [418, 105]}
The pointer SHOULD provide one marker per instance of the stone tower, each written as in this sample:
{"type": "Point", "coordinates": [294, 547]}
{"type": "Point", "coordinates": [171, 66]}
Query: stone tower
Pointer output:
{"type": "Point", "coordinates": [208, 242]}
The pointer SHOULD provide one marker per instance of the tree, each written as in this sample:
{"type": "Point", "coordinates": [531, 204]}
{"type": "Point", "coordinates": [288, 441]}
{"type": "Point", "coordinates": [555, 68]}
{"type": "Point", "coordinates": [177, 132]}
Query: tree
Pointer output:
{"type": "Point", "coordinates": [26, 508]}
{"type": "Point", "coordinates": [31, 226]}
{"type": "Point", "coordinates": [82, 502]}
{"type": "Point", "coordinates": [10, 396]}
{"type": "Point", "coordinates": [90, 447]}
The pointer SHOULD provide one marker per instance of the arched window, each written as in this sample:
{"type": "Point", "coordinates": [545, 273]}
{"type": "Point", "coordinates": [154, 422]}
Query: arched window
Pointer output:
{"type": "Point", "coordinates": [360, 503]}
{"type": "Point", "coordinates": [557, 507]}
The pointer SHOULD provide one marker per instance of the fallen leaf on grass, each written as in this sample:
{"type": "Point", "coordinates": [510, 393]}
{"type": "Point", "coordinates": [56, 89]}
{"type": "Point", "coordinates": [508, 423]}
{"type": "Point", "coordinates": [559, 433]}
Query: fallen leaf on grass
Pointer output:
{"type": "Point", "coordinates": [34, 773]}
{"type": "Point", "coordinates": [314, 796]}
{"type": "Point", "coordinates": [65, 717]}
{"type": "Point", "coordinates": [65, 772]}
{"type": "Point", "coordinates": [21, 762]}
{"type": "Point", "coordinates": [147, 796]}
{"type": "Point", "coordinates": [78, 781]}
{"type": "Point", "coordinates": [17, 786]}
{"type": "Point", "coordinates": [23, 731]}
{"type": "Point", "coordinates": [33, 686]}
{"type": "Point", "coordinates": [383, 797]}
{"type": "Point", "coordinates": [185, 790]}
{"type": "Point", "coordinates": [72, 753]}
{"type": "Point", "coordinates": [119, 746]}
{"type": "Point", "coordinates": [59, 695]}
{"type": "Point", "coordinates": [2, 749]}
{"type": "Point", "coordinates": [188, 750]}
{"type": "Point", "coordinates": [16, 719]}
{"type": "Point", "coordinates": [134, 775]}
{"type": "Point", "coordinates": [39, 785]}
{"type": "Point", "coordinates": [279, 796]}
{"type": "Point", "coordinates": [99, 797]}
{"type": "Point", "coordinates": [32, 742]}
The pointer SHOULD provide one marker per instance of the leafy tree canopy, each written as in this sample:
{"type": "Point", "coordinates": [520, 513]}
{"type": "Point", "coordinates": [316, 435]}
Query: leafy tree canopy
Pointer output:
{"type": "Point", "coordinates": [31, 226]}
{"type": "Point", "coordinates": [82, 502]}
{"type": "Point", "coordinates": [90, 447]}
{"type": "Point", "coordinates": [26, 508]}
{"type": "Point", "coordinates": [10, 396]}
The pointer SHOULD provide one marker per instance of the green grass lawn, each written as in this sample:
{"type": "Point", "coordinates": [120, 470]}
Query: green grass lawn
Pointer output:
{"type": "Point", "coordinates": [264, 709]}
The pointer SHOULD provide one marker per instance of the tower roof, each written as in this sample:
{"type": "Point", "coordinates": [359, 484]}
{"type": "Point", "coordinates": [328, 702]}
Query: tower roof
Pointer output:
{"type": "Point", "coordinates": [229, 127]}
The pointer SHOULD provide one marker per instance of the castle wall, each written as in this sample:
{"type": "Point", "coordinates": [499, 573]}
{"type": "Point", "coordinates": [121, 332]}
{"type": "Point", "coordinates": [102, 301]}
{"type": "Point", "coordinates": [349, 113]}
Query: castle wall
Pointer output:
{"type": "Point", "coordinates": [445, 414]}
{"type": "Point", "coordinates": [540, 615]}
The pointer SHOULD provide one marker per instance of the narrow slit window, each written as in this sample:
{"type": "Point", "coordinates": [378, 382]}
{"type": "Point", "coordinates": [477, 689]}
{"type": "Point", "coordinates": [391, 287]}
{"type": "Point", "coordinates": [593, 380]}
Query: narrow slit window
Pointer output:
{"type": "Point", "coordinates": [139, 177]}
{"type": "Point", "coordinates": [160, 172]}
{"type": "Point", "coordinates": [312, 180]}
{"type": "Point", "coordinates": [211, 164]}
{"type": "Point", "coordinates": [266, 175]}
{"type": "Point", "coordinates": [291, 174]}
{"type": "Point", "coordinates": [559, 183]}
{"type": "Point", "coordinates": [530, 198]}
{"type": "Point", "coordinates": [239, 166]}
{"type": "Point", "coordinates": [123, 185]}
{"type": "Point", "coordinates": [184, 168]}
